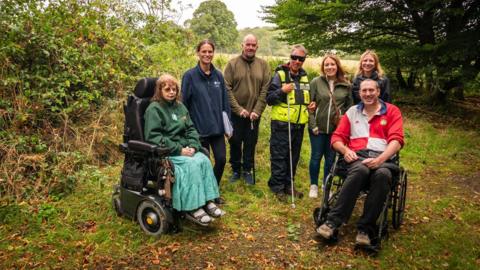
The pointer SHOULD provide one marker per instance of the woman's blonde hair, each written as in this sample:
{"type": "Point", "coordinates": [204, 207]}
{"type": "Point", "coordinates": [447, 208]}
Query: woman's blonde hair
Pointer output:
{"type": "Point", "coordinates": [340, 76]}
{"type": "Point", "coordinates": [378, 67]}
{"type": "Point", "coordinates": [164, 80]}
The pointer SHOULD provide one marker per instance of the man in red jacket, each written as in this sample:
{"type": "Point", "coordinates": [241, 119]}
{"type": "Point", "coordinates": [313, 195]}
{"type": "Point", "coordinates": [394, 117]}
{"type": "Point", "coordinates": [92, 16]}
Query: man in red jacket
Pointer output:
{"type": "Point", "coordinates": [368, 136]}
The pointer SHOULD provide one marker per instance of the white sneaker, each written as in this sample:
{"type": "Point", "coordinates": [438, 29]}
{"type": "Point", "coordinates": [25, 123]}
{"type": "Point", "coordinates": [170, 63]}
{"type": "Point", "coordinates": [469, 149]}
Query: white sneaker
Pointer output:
{"type": "Point", "coordinates": [313, 191]}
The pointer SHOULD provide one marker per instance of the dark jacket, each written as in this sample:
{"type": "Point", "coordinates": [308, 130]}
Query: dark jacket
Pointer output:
{"type": "Point", "coordinates": [275, 94]}
{"type": "Point", "coordinates": [205, 97]}
{"type": "Point", "coordinates": [324, 115]}
{"type": "Point", "coordinates": [168, 124]}
{"type": "Point", "coordinates": [382, 81]}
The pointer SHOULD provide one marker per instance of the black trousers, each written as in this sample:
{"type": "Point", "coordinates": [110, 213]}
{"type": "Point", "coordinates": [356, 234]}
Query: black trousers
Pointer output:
{"type": "Point", "coordinates": [280, 156]}
{"type": "Point", "coordinates": [359, 178]}
{"type": "Point", "coordinates": [217, 146]}
{"type": "Point", "coordinates": [242, 143]}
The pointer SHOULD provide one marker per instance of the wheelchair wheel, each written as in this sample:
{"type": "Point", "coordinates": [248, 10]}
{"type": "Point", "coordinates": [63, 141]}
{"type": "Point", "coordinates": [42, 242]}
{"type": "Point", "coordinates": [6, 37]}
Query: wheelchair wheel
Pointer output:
{"type": "Point", "coordinates": [117, 206]}
{"type": "Point", "coordinates": [152, 218]}
{"type": "Point", "coordinates": [330, 194]}
{"type": "Point", "coordinates": [399, 199]}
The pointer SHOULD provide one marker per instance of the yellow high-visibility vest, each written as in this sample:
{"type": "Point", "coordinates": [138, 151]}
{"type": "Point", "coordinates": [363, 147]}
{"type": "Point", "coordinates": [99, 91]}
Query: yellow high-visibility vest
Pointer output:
{"type": "Point", "coordinates": [298, 100]}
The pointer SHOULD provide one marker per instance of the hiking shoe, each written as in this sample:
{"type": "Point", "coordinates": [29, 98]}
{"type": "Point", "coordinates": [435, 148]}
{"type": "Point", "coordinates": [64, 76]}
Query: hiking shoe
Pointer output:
{"type": "Point", "coordinates": [362, 239]}
{"type": "Point", "coordinates": [248, 178]}
{"type": "Point", "coordinates": [296, 193]}
{"type": "Point", "coordinates": [235, 176]}
{"type": "Point", "coordinates": [326, 230]}
{"type": "Point", "coordinates": [313, 191]}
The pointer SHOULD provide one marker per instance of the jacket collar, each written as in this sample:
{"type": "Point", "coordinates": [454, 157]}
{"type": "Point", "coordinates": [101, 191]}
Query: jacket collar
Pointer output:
{"type": "Point", "coordinates": [383, 108]}
{"type": "Point", "coordinates": [286, 68]}
{"type": "Point", "coordinates": [373, 77]}
{"type": "Point", "coordinates": [337, 83]}
{"type": "Point", "coordinates": [205, 76]}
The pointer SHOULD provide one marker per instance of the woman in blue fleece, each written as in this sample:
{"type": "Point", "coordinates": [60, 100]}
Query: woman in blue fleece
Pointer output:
{"type": "Point", "coordinates": [205, 96]}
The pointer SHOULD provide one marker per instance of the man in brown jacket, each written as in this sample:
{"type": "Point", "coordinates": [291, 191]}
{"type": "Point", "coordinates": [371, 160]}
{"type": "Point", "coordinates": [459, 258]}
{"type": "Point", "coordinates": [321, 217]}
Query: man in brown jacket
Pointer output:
{"type": "Point", "coordinates": [247, 78]}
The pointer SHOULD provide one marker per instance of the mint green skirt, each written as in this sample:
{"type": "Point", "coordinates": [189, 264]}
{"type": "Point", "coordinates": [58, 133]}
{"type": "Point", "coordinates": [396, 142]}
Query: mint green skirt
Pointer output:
{"type": "Point", "coordinates": [195, 183]}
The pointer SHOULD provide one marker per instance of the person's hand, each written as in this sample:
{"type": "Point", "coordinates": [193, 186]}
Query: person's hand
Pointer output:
{"type": "Point", "coordinates": [287, 88]}
{"type": "Point", "coordinates": [350, 156]}
{"type": "Point", "coordinates": [187, 151]}
{"type": "Point", "coordinates": [254, 116]}
{"type": "Point", "coordinates": [244, 113]}
{"type": "Point", "coordinates": [372, 163]}
{"type": "Point", "coordinates": [312, 106]}
{"type": "Point", "coordinates": [315, 131]}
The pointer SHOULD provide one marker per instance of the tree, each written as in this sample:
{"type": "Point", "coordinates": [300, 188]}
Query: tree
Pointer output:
{"type": "Point", "coordinates": [437, 39]}
{"type": "Point", "coordinates": [214, 21]}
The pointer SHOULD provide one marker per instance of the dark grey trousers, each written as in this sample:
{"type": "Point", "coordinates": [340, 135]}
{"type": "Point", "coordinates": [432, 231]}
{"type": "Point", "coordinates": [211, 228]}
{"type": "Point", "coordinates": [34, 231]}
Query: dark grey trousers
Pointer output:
{"type": "Point", "coordinates": [359, 178]}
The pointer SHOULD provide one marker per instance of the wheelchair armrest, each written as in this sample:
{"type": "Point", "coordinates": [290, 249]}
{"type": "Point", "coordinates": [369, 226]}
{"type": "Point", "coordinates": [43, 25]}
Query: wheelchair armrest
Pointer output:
{"type": "Point", "coordinates": [143, 147]}
{"type": "Point", "coordinates": [204, 151]}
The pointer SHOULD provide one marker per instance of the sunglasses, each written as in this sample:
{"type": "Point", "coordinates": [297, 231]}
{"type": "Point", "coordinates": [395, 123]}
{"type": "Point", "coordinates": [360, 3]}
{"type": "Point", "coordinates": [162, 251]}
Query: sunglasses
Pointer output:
{"type": "Point", "coordinates": [299, 58]}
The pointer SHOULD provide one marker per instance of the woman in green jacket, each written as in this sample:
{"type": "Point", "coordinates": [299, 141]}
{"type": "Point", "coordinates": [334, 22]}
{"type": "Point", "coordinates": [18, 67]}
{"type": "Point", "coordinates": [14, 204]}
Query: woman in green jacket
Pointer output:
{"type": "Point", "coordinates": [332, 96]}
{"type": "Point", "coordinates": [168, 123]}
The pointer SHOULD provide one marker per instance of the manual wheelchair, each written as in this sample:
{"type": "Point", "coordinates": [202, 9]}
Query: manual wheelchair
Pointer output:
{"type": "Point", "coordinates": [395, 200]}
{"type": "Point", "coordinates": [141, 194]}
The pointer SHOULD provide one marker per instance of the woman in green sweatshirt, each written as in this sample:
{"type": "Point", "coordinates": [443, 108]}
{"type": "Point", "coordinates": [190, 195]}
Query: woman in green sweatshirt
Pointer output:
{"type": "Point", "coordinates": [168, 123]}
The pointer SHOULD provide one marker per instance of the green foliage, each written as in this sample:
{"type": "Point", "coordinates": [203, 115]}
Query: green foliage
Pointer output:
{"type": "Point", "coordinates": [214, 21]}
{"type": "Point", "coordinates": [220, 61]}
{"type": "Point", "coordinates": [46, 211]}
{"type": "Point", "coordinates": [65, 65]}
{"type": "Point", "coordinates": [435, 39]}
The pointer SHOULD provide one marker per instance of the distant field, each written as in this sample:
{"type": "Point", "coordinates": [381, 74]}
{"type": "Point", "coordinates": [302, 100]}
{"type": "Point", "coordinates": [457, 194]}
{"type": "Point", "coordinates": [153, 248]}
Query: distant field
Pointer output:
{"type": "Point", "coordinates": [312, 63]}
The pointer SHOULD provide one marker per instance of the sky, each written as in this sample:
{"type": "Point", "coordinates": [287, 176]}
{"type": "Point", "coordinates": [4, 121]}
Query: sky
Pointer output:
{"type": "Point", "coordinates": [247, 12]}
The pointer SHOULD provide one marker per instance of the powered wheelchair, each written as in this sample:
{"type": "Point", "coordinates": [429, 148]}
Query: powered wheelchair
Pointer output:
{"type": "Point", "coordinates": [395, 201]}
{"type": "Point", "coordinates": [142, 192]}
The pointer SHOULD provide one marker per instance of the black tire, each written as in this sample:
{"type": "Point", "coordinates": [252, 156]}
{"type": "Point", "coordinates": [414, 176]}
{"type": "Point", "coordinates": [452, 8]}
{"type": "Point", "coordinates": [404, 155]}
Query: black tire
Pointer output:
{"type": "Point", "coordinates": [117, 205]}
{"type": "Point", "coordinates": [152, 218]}
{"type": "Point", "coordinates": [320, 213]}
{"type": "Point", "coordinates": [399, 200]}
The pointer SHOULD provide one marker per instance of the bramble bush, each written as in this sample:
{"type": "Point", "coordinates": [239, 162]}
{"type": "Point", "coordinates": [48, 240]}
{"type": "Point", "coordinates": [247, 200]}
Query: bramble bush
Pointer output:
{"type": "Point", "coordinates": [65, 69]}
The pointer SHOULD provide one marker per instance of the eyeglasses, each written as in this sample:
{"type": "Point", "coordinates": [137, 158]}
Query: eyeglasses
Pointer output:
{"type": "Point", "coordinates": [169, 89]}
{"type": "Point", "coordinates": [297, 57]}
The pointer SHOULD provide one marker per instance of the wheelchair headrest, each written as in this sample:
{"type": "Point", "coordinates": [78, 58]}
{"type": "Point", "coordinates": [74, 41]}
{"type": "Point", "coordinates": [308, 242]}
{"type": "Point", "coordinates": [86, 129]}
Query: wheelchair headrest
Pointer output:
{"type": "Point", "coordinates": [145, 87]}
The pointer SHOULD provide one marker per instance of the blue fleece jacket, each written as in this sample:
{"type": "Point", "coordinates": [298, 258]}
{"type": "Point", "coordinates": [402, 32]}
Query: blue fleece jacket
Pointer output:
{"type": "Point", "coordinates": [205, 97]}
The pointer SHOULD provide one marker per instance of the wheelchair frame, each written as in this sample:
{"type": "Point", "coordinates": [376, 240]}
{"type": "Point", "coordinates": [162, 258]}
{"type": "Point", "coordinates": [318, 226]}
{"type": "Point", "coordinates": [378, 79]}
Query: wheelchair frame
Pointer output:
{"type": "Point", "coordinates": [143, 200]}
{"type": "Point", "coordinates": [396, 200]}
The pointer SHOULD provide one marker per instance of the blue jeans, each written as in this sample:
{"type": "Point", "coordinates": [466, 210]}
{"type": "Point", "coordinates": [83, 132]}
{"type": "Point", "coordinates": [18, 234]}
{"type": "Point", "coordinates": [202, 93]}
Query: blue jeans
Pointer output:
{"type": "Point", "coordinates": [320, 145]}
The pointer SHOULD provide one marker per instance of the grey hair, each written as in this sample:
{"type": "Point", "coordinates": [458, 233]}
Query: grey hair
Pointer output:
{"type": "Point", "coordinates": [299, 47]}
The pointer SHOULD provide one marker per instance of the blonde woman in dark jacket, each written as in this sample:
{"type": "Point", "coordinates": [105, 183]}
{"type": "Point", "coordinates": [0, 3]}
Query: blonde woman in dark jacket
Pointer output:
{"type": "Point", "coordinates": [369, 68]}
{"type": "Point", "coordinates": [331, 93]}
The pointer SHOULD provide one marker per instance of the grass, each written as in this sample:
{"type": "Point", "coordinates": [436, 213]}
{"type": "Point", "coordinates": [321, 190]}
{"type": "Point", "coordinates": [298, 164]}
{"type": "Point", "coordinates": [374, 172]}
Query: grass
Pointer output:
{"type": "Point", "coordinates": [441, 229]}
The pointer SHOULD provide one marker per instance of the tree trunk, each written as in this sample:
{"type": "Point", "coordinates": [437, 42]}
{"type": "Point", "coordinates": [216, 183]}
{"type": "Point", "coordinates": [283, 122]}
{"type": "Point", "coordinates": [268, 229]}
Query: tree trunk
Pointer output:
{"type": "Point", "coordinates": [458, 93]}
{"type": "Point", "coordinates": [411, 80]}
{"type": "Point", "coordinates": [401, 81]}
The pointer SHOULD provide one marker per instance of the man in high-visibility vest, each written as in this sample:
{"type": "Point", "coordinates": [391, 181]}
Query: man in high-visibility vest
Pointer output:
{"type": "Point", "coordinates": [289, 97]}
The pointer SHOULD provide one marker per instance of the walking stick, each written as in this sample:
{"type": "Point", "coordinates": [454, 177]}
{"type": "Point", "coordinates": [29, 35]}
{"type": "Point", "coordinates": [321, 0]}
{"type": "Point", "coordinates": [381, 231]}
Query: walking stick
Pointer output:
{"type": "Point", "coordinates": [252, 130]}
{"type": "Point", "coordinates": [290, 151]}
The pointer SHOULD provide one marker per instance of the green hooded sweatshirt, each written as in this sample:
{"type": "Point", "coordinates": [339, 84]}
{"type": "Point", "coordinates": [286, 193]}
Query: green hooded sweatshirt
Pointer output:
{"type": "Point", "coordinates": [169, 124]}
